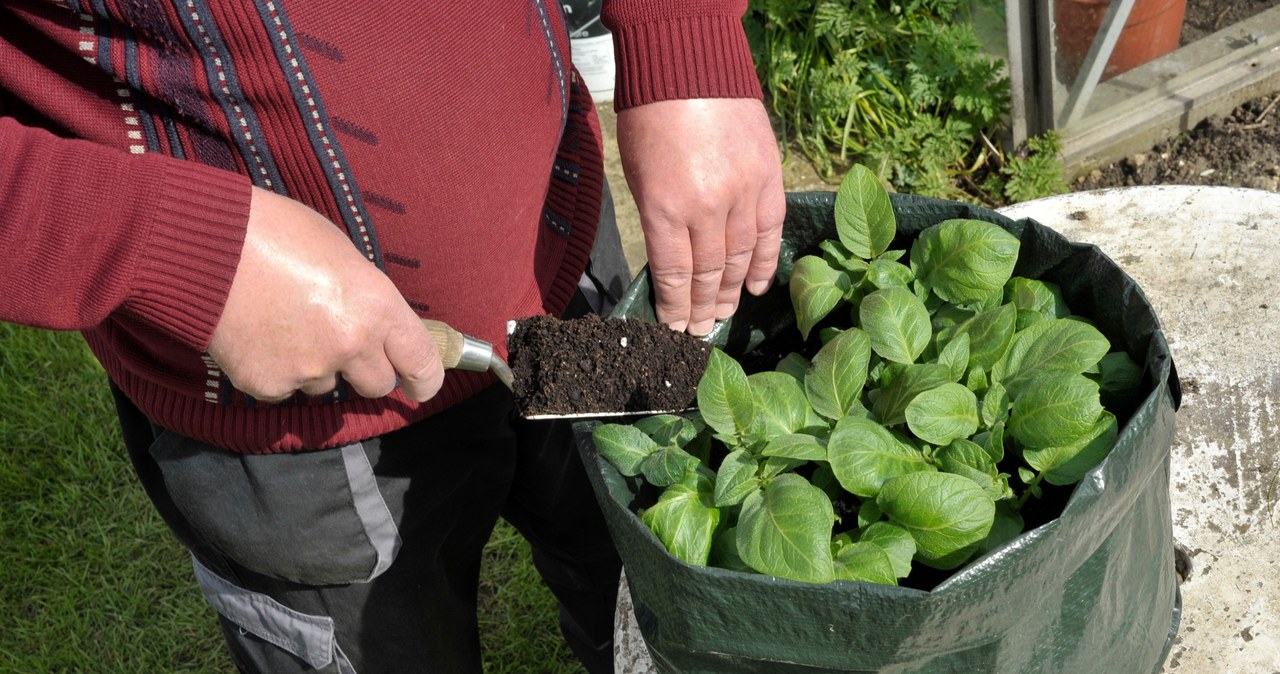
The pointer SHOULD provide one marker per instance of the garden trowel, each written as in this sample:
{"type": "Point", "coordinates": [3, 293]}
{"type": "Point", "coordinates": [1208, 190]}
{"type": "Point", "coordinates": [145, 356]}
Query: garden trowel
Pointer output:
{"type": "Point", "coordinates": [463, 352]}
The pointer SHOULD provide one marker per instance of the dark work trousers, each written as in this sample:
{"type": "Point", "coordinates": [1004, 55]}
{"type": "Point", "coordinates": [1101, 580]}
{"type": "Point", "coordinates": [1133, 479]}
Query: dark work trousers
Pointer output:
{"type": "Point", "coordinates": [366, 558]}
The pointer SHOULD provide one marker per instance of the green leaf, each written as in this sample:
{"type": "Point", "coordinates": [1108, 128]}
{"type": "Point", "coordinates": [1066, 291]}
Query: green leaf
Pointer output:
{"type": "Point", "coordinates": [736, 478]}
{"type": "Point", "coordinates": [864, 455]}
{"type": "Point", "coordinates": [990, 334]}
{"type": "Point", "coordinates": [965, 261]}
{"type": "Point", "coordinates": [668, 465]}
{"type": "Point", "coordinates": [724, 551]}
{"type": "Point", "coordinates": [1119, 381]}
{"type": "Point", "coordinates": [777, 465]}
{"type": "Point", "coordinates": [685, 520]}
{"type": "Point", "coordinates": [840, 258]}
{"type": "Point", "coordinates": [1007, 525]}
{"type": "Point", "coordinates": [795, 365]}
{"type": "Point", "coordinates": [976, 380]}
{"type": "Point", "coordinates": [955, 356]}
{"type": "Point", "coordinates": [888, 274]}
{"type": "Point", "coordinates": [994, 442]}
{"type": "Point", "coordinates": [897, 323]}
{"type": "Point", "coordinates": [1067, 464]}
{"type": "Point", "coordinates": [864, 216]}
{"type": "Point", "coordinates": [869, 513]}
{"type": "Point", "coordinates": [724, 396]}
{"type": "Point", "coordinates": [953, 559]}
{"type": "Point", "coordinates": [668, 429]}
{"type": "Point", "coordinates": [834, 384]}
{"type": "Point", "coordinates": [1055, 409]}
{"type": "Point", "coordinates": [944, 513]}
{"type": "Point", "coordinates": [799, 446]}
{"type": "Point", "coordinates": [995, 405]}
{"type": "Point", "coordinates": [626, 447]}
{"type": "Point", "coordinates": [1060, 345]}
{"type": "Point", "coordinates": [948, 317]}
{"type": "Point", "coordinates": [780, 405]}
{"type": "Point", "coordinates": [816, 288]}
{"type": "Point", "coordinates": [895, 541]}
{"type": "Point", "coordinates": [1028, 318]}
{"type": "Point", "coordinates": [1041, 297]}
{"type": "Point", "coordinates": [824, 479]}
{"type": "Point", "coordinates": [866, 562]}
{"type": "Point", "coordinates": [828, 333]}
{"type": "Point", "coordinates": [963, 457]}
{"type": "Point", "coordinates": [784, 530]}
{"type": "Point", "coordinates": [905, 383]}
{"type": "Point", "coordinates": [943, 414]}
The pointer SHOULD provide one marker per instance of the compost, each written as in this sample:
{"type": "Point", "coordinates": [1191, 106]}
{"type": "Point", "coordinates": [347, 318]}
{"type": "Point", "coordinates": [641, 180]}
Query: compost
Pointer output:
{"type": "Point", "coordinates": [592, 365]}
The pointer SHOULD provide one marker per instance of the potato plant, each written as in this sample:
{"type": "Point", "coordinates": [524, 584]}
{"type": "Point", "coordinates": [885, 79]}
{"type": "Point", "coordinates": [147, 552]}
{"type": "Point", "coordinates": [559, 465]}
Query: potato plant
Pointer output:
{"type": "Point", "coordinates": [938, 376]}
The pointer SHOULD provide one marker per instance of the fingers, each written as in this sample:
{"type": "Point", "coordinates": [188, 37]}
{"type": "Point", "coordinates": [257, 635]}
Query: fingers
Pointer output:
{"type": "Point", "coordinates": [699, 268]}
{"type": "Point", "coordinates": [740, 243]}
{"type": "Point", "coordinates": [413, 355]}
{"type": "Point", "coordinates": [371, 377]}
{"type": "Point", "coordinates": [670, 268]}
{"type": "Point", "coordinates": [686, 263]}
{"type": "Point", "coordinates": [771, 210]}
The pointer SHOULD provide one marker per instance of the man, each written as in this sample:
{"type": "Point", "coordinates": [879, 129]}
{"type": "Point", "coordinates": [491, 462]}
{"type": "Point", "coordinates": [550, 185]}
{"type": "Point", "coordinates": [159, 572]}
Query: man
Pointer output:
{"type": "Point", "coordinates": [246, 206]}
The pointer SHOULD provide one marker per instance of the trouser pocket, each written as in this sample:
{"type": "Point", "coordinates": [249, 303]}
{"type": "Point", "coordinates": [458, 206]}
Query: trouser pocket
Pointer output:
{"type": "Point", "coordinates": [267, 636]}
{"type": "Point", "coordinates": [314, 518]}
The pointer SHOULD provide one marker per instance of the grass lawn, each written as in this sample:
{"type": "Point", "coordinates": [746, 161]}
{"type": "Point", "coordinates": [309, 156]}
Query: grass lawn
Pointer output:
{"type": "Point", "coordinates": [92, 581]}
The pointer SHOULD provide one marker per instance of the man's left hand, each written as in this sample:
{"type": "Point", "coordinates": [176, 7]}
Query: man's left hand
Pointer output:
{"type": "Point", "coordinates": [707, 180]}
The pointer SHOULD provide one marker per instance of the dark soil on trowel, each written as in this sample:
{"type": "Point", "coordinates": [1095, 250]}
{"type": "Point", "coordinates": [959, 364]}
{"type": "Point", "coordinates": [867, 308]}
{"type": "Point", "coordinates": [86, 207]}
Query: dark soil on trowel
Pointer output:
{"type": "Point", "coordinates": [592, 365]}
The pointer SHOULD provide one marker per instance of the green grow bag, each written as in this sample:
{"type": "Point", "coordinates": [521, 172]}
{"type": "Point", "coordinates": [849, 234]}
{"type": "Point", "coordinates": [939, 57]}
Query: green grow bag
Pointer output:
{"type": "Point", "coordinates": [1093, 590]}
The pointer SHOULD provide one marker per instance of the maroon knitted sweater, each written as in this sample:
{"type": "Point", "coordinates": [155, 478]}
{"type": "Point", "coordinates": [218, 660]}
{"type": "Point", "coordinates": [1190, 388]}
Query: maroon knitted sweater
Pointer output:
{"type": "Point", "coordinates": [457, 149]}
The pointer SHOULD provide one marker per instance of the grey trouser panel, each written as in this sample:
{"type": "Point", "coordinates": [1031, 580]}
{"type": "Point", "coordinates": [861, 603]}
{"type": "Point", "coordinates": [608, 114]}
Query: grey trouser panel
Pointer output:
{"type": "Point", "coordinates": [315, 518]}
{"type": "Point", "coordinates": [311, 639]}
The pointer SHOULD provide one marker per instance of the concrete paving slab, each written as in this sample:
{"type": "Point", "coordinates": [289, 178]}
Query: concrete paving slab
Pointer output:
{"type": "Point", "coordinates": [1208, 259]}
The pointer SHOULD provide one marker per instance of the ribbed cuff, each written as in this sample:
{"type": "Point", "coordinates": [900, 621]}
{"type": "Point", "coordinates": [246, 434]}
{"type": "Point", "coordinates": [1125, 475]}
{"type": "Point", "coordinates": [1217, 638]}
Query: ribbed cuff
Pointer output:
{"type": "Point", "coordinates": [197, 232]}
{"type": "Point", "coordinates": [682, 58]}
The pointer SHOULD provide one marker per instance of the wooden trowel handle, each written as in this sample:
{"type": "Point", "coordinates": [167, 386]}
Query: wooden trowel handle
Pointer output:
{"type": "Point", "coordinates": [450, 342]}
{"type": "Point", "coordinates": [458, 351]}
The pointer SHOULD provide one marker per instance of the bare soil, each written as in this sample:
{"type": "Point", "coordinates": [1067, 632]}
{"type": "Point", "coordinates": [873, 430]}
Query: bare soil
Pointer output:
{"type": "Point", "coordinates": [1240, 149]}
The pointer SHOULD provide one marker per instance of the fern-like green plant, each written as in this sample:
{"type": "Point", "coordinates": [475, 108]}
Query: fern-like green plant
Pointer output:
{"type": "Point", "coordinates": [1036, 171]}
{"type": "Point", "coordinates": [900, 86]}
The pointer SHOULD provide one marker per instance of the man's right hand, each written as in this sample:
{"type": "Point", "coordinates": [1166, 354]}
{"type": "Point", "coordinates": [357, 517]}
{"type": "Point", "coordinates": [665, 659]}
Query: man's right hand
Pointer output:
{"type": "Point", "coordinates": [306, 307]}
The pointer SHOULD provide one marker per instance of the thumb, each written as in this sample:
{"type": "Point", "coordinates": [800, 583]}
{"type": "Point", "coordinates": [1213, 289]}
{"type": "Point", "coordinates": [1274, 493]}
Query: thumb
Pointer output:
{"type": "Point", "coordinates": [413, 354]}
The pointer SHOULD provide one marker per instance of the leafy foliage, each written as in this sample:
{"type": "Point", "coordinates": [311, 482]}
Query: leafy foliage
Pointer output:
{"type": "Point", "coordinates": [901, 86]}
{"type": "Point", "coordinates": [1034, 171]}
{"type": "Point", "coordinates": [921, 402]}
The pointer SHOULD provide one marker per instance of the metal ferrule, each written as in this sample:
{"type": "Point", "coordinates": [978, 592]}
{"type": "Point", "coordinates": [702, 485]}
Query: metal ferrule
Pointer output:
{"type": "Point", "coordinates": [476, 355]}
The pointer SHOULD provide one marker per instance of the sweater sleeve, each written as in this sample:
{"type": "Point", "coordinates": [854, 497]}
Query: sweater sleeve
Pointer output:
{"type": "Point", "coordinates": [91, 231]}
{"type": "Point", "coordinates": [669, 49]}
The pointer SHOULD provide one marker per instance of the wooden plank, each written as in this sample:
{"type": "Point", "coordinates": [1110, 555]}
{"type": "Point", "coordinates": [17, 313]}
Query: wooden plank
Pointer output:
{"type": "Point", "coordinates": [1147, 118]}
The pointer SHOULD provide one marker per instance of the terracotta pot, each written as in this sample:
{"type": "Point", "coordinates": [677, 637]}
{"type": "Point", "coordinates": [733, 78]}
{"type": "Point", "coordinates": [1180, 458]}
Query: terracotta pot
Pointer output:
{"type": "Point", "coordinates": [1153, 29]}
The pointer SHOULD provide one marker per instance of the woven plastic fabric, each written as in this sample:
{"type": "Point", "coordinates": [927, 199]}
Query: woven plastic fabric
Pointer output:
{"type": "Point", "coordinates": [1093, 590]}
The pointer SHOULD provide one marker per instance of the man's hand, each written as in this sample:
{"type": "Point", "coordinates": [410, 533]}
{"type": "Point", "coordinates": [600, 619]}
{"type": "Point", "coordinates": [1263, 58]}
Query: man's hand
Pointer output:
{"type": "Point", "coordinates": [306, 307]}
{"type": "Point", "coordinates": [707, 180]}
